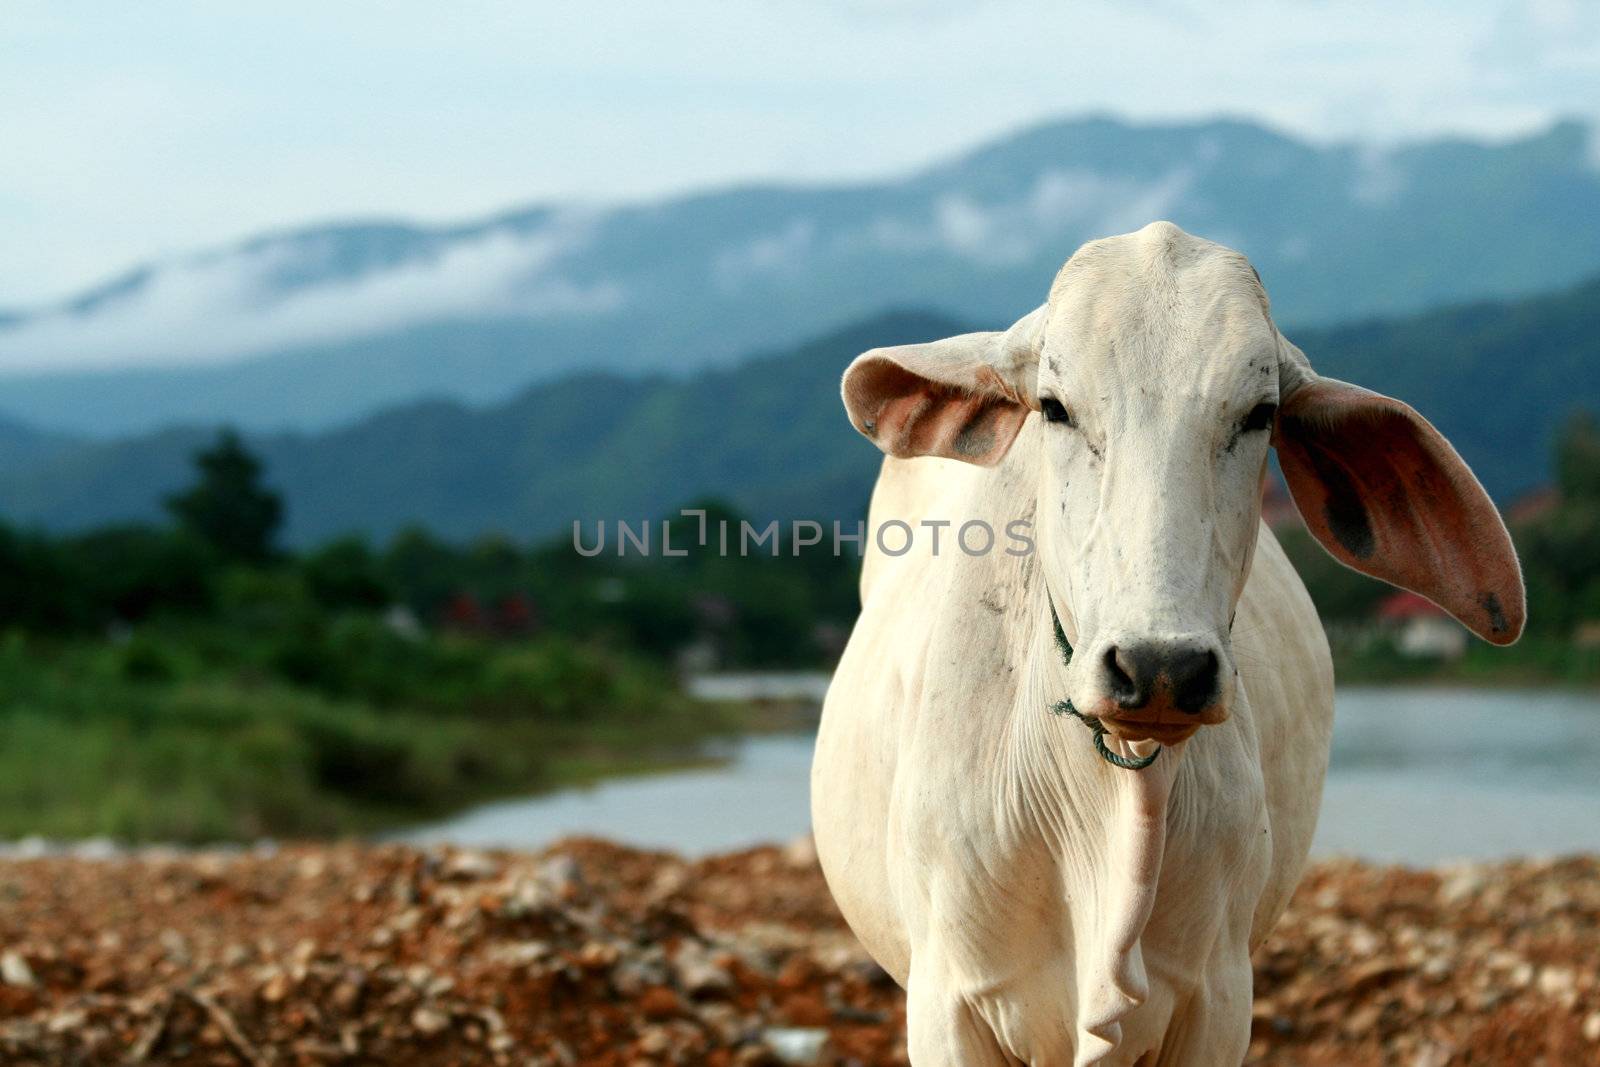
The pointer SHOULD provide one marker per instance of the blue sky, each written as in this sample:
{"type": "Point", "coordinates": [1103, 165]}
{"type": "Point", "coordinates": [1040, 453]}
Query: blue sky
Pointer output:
{"type": "Point", "coordinates": [137, 131]}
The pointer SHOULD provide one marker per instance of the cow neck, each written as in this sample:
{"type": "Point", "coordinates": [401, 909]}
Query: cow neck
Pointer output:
{"type": "Point", "coordinates": [1107, 832]}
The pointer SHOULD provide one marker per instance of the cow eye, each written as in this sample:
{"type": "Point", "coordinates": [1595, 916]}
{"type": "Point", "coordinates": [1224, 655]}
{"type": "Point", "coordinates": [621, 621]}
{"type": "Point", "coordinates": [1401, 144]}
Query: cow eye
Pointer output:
{"type": "Point", "coordinates": [1055, 411]}
{"type": "Point", "coordinates": [1260, 418]}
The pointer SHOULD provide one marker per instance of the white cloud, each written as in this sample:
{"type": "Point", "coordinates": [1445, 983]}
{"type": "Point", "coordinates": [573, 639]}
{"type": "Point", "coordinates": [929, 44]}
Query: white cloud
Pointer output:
{"type": "Point", "coordinates": [1562, 34]}
{"type": "Point", "coordinates": [774, 253]}
{"type": "Point", "coordinates": [222, 308]}
{"type": "Point", "coordinates": [1379, 179]}
{"type": "Point", "coordinates": [1063, 201]}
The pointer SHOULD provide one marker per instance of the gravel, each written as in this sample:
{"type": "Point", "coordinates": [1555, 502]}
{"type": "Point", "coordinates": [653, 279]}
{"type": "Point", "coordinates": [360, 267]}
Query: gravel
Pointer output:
{"type": "Point", "coordinates": [594, 954]}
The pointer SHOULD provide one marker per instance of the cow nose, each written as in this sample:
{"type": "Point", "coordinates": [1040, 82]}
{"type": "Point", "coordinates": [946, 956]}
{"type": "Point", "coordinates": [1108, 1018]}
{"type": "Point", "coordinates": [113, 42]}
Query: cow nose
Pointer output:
{"type": "Point", "coordinates": [1133, 671]}
{"type": "Point", "coordinates": [1127, 676]}
{"type": "Point", "coordinates": [1192, 674]}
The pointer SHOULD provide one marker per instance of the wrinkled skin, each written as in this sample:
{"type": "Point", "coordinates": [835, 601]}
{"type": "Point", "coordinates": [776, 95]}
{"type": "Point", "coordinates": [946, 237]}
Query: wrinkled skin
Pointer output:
{"type": "Point", "coordinates": [1040, 905]}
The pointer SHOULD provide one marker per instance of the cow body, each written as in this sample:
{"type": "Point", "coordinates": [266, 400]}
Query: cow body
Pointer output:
{"type": "Point", "coordinates": [1040, 905]}
{"type": "Point", "coordinates": [1043, 902]}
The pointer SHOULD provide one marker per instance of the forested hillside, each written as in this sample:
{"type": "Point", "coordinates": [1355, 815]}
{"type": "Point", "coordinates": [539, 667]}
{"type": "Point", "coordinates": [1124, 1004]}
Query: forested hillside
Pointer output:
{"type": "Point", "coordinates": [769, 435]}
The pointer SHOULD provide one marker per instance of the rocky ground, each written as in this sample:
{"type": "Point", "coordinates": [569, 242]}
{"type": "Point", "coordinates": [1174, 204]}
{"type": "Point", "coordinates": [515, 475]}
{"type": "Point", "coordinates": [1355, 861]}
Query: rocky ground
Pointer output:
{"type": "Point", "coordinates": [597, 955]}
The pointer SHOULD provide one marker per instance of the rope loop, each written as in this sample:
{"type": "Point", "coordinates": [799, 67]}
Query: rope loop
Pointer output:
{"type": "Point", "coordinates": [1064, 707]}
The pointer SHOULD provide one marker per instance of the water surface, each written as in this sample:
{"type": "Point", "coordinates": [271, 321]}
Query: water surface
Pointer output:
{"type": "Point", "coordinates": [1417, 776]}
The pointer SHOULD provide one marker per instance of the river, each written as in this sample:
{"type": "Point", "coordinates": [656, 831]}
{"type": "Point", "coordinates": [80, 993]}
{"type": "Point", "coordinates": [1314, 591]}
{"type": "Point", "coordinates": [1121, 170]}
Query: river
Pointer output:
{"type": "Point", "coordinates": [1418, 776]}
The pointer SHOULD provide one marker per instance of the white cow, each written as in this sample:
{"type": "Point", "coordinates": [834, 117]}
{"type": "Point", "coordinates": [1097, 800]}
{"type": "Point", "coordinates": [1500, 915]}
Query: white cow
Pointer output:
{"type": "Point", "coordinates": [1040, 904]}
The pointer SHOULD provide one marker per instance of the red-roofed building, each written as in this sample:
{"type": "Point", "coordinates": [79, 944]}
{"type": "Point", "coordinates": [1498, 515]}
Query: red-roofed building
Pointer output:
{"type": "Point", "coordinates": [464, 614]}
{"type": "Point", "coordinates": [516, 616]}
{"type": "Point", "coordinates": [1405, 606]}
{"type": "Point", "coordinates": [1421, 628]}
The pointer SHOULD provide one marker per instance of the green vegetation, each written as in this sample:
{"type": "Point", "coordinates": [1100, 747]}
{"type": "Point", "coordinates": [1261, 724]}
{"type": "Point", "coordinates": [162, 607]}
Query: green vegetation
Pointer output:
{"type": "Point", "coordinates": [246, 726]}
{"type": "Point", "coordinates": [194, 681]}
{"type": "Point", "coordinates": [191, 683]}
{"type": "Point", "coordinates": [1539, 659]}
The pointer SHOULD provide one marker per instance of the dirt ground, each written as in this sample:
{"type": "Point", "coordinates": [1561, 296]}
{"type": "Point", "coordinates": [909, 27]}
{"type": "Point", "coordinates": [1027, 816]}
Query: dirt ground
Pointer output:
{"type": "Point", "coordinates": [598, 955]}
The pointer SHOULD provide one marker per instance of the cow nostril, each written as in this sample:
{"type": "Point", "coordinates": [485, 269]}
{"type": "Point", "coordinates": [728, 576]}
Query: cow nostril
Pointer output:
{"type": "Point", "coordinates": [1194, 681]}
{"type": "Point", "coordinates": [1120, 678]}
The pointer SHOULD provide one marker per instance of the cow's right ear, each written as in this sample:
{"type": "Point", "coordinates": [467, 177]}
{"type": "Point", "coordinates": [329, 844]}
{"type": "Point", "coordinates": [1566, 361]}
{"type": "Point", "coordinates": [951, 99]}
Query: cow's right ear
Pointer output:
{"type": "Point", "coordinates": [961, 398]}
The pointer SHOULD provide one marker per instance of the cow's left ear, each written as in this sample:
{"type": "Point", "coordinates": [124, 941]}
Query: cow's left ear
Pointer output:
{"type": "Point", "coordinates": [962, 398]}
{"type": "Point", "coordinates": [1386, 494]}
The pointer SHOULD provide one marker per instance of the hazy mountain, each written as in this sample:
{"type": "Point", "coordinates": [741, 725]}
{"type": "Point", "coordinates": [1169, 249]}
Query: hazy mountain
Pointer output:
{"type": "Point", "coordinates": [22, 446]}
{"type": "Point", "coordinates": [770, 434]}
{"type": "Point", "coordinates": [317, 327]}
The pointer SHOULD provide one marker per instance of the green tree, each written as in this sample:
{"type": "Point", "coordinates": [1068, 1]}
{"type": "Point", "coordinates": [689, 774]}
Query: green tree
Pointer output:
{"type": "Point", "coordinates": [1578, 458]}
{"type": "Point", "coordinates": [228, 507]}
{"type": "Point", "coordinates": [38, 589]}
{"type": "Point", "coordinates": [422, 569]}
{"type": "Point", "coordinates": [346, 574]}
{"type": "Point", "coordinates": [1559, 560]}
{"type": "Point", "coordinates": [133, 572]}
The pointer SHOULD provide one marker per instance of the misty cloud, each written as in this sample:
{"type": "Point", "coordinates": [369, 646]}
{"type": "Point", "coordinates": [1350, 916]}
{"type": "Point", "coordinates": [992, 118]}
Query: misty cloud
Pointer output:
{"type": "Point", "coordinates": [782, 252]}
{"type": "Point", "coordinates": [221, 308]}
{"type": "Point", "coordinates": [1002, 232]}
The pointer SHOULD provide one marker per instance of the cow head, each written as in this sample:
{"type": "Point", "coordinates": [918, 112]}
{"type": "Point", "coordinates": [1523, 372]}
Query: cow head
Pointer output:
{"type": "Point", "coordinates": [1160, 383]}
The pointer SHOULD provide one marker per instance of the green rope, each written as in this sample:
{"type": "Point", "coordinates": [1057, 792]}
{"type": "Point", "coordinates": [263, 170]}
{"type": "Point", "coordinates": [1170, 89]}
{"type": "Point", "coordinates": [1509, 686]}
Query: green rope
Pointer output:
{"type": "Point", "coordinates": [1064, 707]}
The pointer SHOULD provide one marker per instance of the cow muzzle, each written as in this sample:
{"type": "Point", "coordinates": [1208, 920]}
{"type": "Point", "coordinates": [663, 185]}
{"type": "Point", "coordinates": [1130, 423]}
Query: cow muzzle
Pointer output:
{"type": "Point", "coordinates": [1159, 688]}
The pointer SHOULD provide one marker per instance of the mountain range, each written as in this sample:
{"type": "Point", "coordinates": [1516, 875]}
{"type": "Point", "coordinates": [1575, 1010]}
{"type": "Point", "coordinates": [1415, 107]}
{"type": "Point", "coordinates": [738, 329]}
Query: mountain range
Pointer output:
{"type": "Point", "coordinates": [318, 329]}
{"type": "Point", "coordinates": [767, 434]}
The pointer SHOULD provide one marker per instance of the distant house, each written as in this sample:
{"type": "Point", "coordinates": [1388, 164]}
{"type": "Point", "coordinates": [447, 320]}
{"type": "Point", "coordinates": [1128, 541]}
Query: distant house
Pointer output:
{"type": "Point", "coordinates": [403, 622]}
{"type": "Point", "coordinates": [1420, 628]}
{"type": "Point", "coordinates": [707, 648]}
{"type": "Point", "coordinates": [463, 614]}
{"type": "Point", "coordinates": [713, 611]}
{"type": "Point", "coordinates": [514, 615]}
{"type": "Point", "coordinates": [1586, 635]}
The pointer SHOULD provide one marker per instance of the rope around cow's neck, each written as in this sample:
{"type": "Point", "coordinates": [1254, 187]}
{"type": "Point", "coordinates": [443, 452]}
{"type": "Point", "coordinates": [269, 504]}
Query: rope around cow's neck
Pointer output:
{"type": "Point", "coordinates": [1064, 707]}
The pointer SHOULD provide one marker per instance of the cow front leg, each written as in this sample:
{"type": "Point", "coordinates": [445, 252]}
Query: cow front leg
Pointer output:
{"type": "Point", "coordinates": [942, 1030]}
{"type": "Point", "coordinates": [1213, 1027]}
